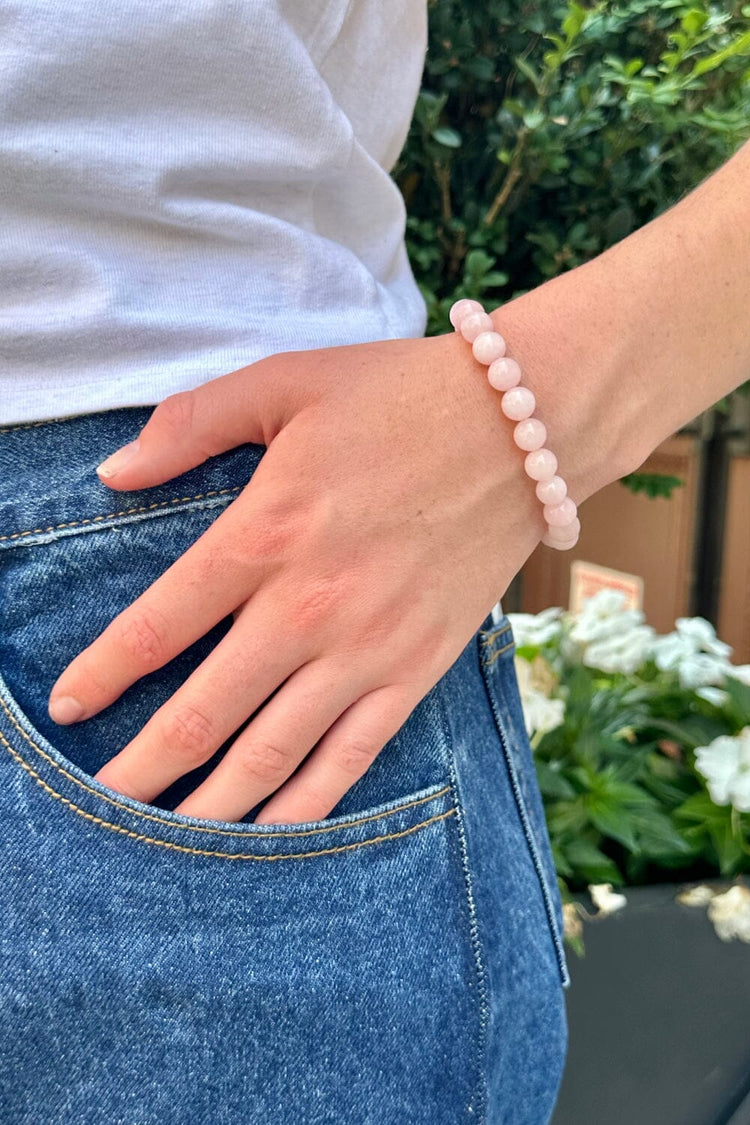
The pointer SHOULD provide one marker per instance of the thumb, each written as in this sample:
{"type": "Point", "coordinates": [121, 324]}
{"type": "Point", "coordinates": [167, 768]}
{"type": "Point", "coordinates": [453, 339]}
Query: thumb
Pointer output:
{"type": "Point", "coordinates": [248, 405]}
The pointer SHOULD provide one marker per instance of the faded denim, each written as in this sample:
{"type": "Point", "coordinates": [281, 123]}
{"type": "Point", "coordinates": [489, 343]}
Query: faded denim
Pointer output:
{"type": "Point", "coordinates": [398, 963]}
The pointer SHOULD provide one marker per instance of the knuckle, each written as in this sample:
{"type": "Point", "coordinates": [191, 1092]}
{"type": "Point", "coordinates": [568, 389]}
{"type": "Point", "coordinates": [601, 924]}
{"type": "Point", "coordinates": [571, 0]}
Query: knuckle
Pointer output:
{"type": "Point", "coordinates": [190, 731]}
{"type": "Point", "coordinates": [142, 640]}
{"type": "Point", "coordinates": [175, 413]}
{"type": "Point", "coordinates": [265, 763]}
{"type": "Point", "coordinates": [356, 755]}
{"type": "Point", "coordinates": [269, 541]}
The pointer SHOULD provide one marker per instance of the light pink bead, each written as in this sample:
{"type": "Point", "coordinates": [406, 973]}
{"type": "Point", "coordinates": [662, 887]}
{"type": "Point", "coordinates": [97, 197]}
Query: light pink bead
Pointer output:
{"type": "Point", "coordinates": [488, 346]}
{"type": "Point", "coordinates": [561, 534]}
{"type": "Point", "coordinates": [541, 464]}
{"type": "Point", "coordinates": [475, 323]}
{"type": "Point", "coordinates": [552, 491]}
{"type": "Point", "coordinates": [504, 374]}
{"type": "Point", "coordinates": [530, 434]}
{"type": "Point", "coordinates": [518, 403]}
{"type": "Point", "coordinates": [462, 308]}
{"type": "Point", "coordinates": [559, 544]}
{"type": "Point", "coordinates": [558, 515]}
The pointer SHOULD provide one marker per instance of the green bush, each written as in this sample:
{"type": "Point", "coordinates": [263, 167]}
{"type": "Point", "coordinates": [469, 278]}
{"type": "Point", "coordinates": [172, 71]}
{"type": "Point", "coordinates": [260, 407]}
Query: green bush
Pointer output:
{"type": "Point", "coordinates": [544, 133]}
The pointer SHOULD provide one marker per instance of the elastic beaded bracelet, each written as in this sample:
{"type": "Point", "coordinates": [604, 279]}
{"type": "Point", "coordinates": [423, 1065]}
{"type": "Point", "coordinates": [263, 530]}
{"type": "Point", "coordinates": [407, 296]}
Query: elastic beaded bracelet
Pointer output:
{"type": "Point", "coordinates": [518, 404]}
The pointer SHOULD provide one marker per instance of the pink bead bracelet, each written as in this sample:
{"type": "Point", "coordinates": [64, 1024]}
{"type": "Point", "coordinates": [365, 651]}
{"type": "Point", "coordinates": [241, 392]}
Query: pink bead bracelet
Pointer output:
{"type": "Point", "coordinates": [518, 404]}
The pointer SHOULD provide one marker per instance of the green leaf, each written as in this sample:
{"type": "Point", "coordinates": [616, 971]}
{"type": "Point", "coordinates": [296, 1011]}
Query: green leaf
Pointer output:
{"type": "Point", "coordinates": [528, 71]}
{"type": "Point", "coordinates": [614, 822]}
{"type": "Point", "coordinates": [566, 817]}
{"type": "Point", "coordinates": [592, 864]}
{"type": "Point", "coordinates": [575, 20]}
{"type": "Point", "coordinates": [728, 847]}
{"type": "Point", "coordinates": [653, 484]}
{"type": "Point", "coordinates": [551, 781]}
{"type": "Point", "coordinates": [739, 700]}
{"type": "Point", "coordinates": [740, 46]}
{"type": "Point", "coordinates": [699, 808]}
{"type": "Point", "coordinates": [694, 21]}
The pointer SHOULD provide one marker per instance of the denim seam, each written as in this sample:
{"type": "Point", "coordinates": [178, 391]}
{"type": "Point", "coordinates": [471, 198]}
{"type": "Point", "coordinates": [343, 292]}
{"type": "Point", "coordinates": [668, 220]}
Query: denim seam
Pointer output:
{"type": "Point", "coordinates": [30, 425]}
{"type": "Point", "coordinates": [205, 851]}
{"type": "Point", "coordinates": [474, 937]}
{"type": "Point", "coordinates": [496, 653]}
{"type": "Point", "coordinates": [124, 512]}
{"type": "Point", "coordinates": [494, 634]}
{"type": "Point", "coordinates": [202, 827]}
{"type": "Point", "coordinates": [530, 839]}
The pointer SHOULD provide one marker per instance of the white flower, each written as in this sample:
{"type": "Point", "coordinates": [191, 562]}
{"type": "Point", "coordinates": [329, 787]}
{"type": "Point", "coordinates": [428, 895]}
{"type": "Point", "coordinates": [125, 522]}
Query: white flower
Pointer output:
{"type": "Point", "coordinates": [670, 650]}
{"type": "Point", "coordinates": [694, 652]}
{"type": "Point", "coordinates": [540, 713]}
{"type": "Point", "coordinates": [605, 899]}
{"type": "Point", "coordinates": [701, 669]}
{"type": "Point", "coordinates": [604, 615]}
{"type": "Point", "coordinates": [625, 652]}
{"type": "Point", "coordinates": [740, 672]}
{"type": "Point", "coordinates": [699, 895]}
{"type": "Point", "coordinates": [725, 764]}
{"type": "Point", "coordinates": [713, 695]}
{"type": "Point", "coordinates": [703, 635]}
{"type": "Point", "coordinates": [730, 913]}
{"type": "Point", "coordinates": [536, 628]}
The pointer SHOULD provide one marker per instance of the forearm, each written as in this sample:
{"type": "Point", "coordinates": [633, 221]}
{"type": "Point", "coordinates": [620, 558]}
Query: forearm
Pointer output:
{"type": "Point", "coordinates": [625, 349]}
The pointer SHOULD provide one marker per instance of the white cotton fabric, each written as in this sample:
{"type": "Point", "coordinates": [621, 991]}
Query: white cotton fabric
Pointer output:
{"type": "Point", "coordinates": [187, 186]}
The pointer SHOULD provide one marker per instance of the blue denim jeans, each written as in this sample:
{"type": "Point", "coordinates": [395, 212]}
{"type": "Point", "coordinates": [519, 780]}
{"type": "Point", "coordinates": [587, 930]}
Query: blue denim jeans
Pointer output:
{"type": "Point", "coordinates": [399, 962]}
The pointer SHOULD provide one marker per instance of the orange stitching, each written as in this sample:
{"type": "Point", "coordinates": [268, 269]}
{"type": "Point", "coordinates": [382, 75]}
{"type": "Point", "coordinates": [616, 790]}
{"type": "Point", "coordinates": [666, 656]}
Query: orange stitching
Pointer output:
{"type": "Point", "coordinates": [497, 653]}
{"type": "Point", "coordinates": [201, 827]}
{"type": "Point", "coordinates": [487, 637]}
{"type": "Point", "coordinates": [125, 512]}
{"type": "Point", "coordinates": [30, 425]}
{"type": "Point", "coordinates": [204, 851]}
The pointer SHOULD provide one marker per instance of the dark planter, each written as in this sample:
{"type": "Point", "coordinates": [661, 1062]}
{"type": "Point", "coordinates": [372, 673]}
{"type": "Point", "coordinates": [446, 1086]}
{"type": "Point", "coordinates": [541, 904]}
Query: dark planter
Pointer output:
{"type": "Point", "coordinates": [659, 1018]}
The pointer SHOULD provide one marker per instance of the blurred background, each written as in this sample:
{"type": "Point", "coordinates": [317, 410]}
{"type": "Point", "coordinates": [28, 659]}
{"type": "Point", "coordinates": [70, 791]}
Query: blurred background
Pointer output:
{"type": "Point", "coordinates": [544, 133]}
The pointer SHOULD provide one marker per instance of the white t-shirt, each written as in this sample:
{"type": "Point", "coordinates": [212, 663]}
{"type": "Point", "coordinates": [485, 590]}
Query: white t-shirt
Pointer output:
{"type": "Point", "coordinates": [187, 186]}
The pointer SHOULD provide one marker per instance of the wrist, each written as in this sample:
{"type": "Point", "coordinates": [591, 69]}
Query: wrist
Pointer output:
{"type": "Point", "coordinates": [572, 351]}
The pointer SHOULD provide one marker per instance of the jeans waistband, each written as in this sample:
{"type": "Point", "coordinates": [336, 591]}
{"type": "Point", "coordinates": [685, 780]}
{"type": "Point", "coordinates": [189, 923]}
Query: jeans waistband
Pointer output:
{"type": "Point", "coordinates": [49, 485]}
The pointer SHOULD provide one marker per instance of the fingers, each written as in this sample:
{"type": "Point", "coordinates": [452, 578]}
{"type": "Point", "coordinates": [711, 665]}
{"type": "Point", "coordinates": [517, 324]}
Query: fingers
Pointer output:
{"type": "Point", "coordinates": [268, 751]}
{"type": "Point", "coordinates": [185, 429]}
{"type": "Point", "coordinates": [232, 682]}
{"type": "Point", "coordinates": [224, 566]}
{"type": "Point", "coordinates": [345, 753]}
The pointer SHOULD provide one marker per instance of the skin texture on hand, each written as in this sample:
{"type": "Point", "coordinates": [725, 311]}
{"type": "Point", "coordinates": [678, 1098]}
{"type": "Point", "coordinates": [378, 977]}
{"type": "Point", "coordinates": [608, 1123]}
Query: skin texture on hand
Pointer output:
{"type": "Point", "coordinates": [391, 510]}
{"type": "Point", "coordinates": [387, 516]}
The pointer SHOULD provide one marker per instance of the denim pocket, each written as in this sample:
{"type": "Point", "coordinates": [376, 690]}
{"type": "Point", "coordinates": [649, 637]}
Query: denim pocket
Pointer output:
{"type": "Point", "coordinates": [496, 650]}
{"type": "Point", "coordinates": [62, 580]}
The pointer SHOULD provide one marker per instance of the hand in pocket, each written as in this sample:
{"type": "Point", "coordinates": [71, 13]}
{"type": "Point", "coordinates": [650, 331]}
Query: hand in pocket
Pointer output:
{"type": "Point", "coordinates": [387, 516]}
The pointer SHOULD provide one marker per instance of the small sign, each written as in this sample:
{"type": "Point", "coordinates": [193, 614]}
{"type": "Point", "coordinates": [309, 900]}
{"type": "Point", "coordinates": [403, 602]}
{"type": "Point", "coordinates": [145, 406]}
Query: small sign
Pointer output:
{"type": "Point", "coordinates": [586, 579]}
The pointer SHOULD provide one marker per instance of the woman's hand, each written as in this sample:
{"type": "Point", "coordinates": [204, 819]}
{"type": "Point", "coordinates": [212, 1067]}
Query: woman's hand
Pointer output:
{"type": "Point", "coordinates": [387, 516]}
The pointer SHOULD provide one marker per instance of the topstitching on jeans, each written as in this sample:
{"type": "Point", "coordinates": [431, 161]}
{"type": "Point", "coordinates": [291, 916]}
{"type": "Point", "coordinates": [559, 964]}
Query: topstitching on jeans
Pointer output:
{"type": "Point", "coordinates": [351, 822]}
{"type": "Point", "coordinates": [29, 425]}
{"type": "Point", "coordinates": [557, 941]}
{"type": "Point", "coordinates": [207, 851]}
{"type": "Point", "coordinates": [474, 938]}
{"type": "Point", "coordinates": [125, 512]}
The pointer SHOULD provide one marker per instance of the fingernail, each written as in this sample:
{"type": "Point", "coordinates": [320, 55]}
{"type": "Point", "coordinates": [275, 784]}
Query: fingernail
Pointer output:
{"type": "Point", "coordinates": [118, 460]}
{"type": "Point", "coordinates": [65, 709]}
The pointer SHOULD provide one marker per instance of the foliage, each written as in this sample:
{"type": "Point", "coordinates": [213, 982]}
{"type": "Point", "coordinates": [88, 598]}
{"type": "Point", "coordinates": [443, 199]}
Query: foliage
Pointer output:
{"type": "Point", "coordinates": [546, 132]}
{"type": "Point", "coordinates": [653, 484]}
{"type": "Point", "coordinates": [627, 798]}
